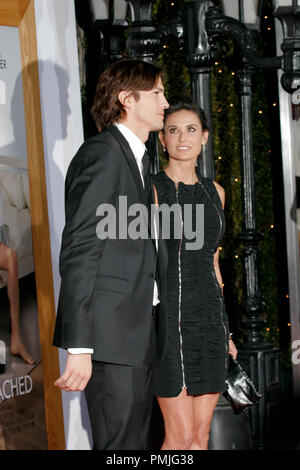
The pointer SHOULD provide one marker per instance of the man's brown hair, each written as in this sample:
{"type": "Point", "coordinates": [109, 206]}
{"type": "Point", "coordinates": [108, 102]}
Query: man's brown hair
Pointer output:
{"type": "Point", "coordinates": [124, 75]}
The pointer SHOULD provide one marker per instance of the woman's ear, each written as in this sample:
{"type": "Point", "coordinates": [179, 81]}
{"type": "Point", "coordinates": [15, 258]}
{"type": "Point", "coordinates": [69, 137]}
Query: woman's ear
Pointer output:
{"type": "Point", "coordinates": [161, 138]}
{"type": "Point", "coordinates": [205, 137]}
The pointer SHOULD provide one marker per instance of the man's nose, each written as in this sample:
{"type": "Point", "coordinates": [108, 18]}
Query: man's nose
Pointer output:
{"type": "Point", "coordinates": [165, 103]}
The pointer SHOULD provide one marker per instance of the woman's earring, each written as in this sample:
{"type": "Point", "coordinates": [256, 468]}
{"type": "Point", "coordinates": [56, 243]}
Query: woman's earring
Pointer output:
{"type": "Point", "coordinates": [164, 149]}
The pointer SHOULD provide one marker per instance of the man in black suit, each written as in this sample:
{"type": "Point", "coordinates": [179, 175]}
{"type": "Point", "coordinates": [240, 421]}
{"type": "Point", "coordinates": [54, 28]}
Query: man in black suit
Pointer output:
{"type": "Point", "coordinates": [111, 314]}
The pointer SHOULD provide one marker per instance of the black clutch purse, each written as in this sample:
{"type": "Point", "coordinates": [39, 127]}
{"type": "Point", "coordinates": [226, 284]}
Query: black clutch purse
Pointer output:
{"type": "Point", "coordinates": [241, 392]}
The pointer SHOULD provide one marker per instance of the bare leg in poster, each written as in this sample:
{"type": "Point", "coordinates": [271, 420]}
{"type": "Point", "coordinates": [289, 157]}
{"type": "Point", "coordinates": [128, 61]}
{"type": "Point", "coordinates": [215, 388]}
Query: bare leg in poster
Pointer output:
{"type": "Point", "coordinates": [9, 262]}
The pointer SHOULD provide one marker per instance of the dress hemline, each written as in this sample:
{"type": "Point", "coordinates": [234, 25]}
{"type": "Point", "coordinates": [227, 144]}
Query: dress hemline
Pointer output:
{"type": "Point", "coordinates": [192, 392]}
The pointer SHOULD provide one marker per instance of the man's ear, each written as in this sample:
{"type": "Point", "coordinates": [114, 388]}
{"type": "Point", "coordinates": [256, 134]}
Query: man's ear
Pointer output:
{"type": "Point", "coordinates": [126, 99]}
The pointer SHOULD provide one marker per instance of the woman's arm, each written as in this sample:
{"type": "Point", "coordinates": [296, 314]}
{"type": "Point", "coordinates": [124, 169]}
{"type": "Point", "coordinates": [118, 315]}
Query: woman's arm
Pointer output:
{"type": "Point", "coordinates": [221, 193]}
{"type": "Point", "coordinates": [232, 348]}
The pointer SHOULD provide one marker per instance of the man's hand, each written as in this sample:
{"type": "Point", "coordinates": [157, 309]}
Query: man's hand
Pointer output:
{"type": "Point", "coordinates": [77, 373]}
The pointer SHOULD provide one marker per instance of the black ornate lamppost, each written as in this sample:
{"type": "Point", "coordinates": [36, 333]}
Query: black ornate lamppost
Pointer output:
{"type": "Point", "coordinates": [204, 25]}
{"type": "Point", "coordinates": [104, 23]}
{"type": "Point", "coordinates": [288, 12]}
{"type": "Point", "coordinates": [199, 59]}
{"type": "Point", "coordinates": [143, 43]}
{"type": "Point", "coordinates": [109, 25]}
{"type": "Point", "coordinates": [217, 26]}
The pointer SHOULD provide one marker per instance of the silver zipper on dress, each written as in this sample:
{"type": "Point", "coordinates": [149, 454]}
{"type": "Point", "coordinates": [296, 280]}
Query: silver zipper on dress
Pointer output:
{"type": "Point", "coordinates": [179, 293]}
{"type": "Point", "coordinates": [214, 274]}
{"type": "Point", "coordinates": [222, 320]}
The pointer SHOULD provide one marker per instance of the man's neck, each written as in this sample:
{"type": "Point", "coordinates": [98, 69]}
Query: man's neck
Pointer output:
{"type": "Point", "coordinates": [142, 134]}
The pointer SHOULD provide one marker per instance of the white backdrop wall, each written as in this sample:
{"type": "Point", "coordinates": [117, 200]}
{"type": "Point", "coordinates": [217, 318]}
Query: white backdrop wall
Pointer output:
{"type": "Point", "coordinates": [12, 118]}
{"type": "Point", "coordinates": [63, 134]}
{"type": "Point", "coordinates": [290, 131]}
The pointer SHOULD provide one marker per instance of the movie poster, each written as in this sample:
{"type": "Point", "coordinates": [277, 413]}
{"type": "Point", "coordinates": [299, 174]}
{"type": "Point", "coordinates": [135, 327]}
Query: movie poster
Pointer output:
{"type": "Point", "coordinates": [22, 412]}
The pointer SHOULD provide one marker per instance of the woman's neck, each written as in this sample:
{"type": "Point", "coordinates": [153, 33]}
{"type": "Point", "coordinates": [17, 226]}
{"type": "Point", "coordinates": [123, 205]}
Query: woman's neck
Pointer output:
{"type": "Point", "coordinates": [182, 172]}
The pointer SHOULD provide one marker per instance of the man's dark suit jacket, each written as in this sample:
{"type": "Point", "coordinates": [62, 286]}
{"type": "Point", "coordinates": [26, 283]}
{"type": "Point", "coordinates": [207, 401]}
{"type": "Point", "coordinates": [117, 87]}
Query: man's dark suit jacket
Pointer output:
{"type": "Point", "coordinates": [106, 293]}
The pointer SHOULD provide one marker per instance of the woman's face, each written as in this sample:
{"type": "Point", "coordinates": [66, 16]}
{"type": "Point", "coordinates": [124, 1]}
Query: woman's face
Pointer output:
{"type": "Point", "coordinates": [183, 136]}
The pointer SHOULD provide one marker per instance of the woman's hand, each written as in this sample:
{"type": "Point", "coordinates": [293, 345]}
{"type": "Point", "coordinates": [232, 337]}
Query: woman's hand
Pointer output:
{"type": "Point", "coordinates": [232, 349]}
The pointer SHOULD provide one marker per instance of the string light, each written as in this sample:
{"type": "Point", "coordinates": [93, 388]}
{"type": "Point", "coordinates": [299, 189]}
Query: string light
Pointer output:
{"type": "Point", "coordinates": [268, 329]}
{"type": "Point", "coordinates": [231, 105]}
{"type": "Point", "coordinates": [269, 29]}
{"type": "Point", "coordinates": [232, 73]}
{"type": "Point", "coordinates": [274, 104]}
{"type": "Point", "coordinates": [236, 180]}
{"type": "Point", "coordinates": [288, 324]}
{"type": "Point", "coordinates": [236, 256]}
{"type": "Point", "coordinates": [165, 46]}
{"type": "Point", "coordinates": [260, 111]}
{"type": "Point", "coordinates": [219, 157]}
{"type": "Point", "coordinates": [220, 71]}
{"type": "Point", "coordinates": [220, 248]}
{"type": "Point", "coordinates": [216, 63]}
{"type": "Point", "coordinates": [271, 226]}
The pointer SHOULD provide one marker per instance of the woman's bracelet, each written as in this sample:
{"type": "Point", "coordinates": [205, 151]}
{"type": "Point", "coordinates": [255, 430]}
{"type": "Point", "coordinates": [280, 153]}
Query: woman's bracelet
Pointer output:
{"type": "Point", "coordinates": [230, 335]}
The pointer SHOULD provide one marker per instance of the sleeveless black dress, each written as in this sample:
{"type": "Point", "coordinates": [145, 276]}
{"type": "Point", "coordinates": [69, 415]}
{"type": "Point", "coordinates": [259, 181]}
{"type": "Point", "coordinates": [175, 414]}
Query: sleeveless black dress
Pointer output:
{"type": "Point", "coordinates": [198, 336]}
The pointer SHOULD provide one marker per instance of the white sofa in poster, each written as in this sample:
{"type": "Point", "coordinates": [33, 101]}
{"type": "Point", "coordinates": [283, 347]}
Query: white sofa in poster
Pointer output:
{"type": "Point", "coordinates": [16, 213]}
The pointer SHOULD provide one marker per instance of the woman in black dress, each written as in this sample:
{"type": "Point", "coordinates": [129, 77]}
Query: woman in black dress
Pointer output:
{"type": "Point", "coordinates": [192, 375]}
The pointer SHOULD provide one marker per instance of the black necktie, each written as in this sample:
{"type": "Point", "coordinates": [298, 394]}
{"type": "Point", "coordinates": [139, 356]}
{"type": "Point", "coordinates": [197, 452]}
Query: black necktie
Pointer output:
{"type": "Point", "coordinates": [146, 175]}
{"type": "Point", "coordinates": [147, 185]}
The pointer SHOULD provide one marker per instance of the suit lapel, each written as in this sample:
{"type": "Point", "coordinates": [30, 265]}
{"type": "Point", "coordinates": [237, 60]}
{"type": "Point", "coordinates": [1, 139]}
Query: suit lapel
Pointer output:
{"type": "Point", "coordinates": [132, 165]}
{"type": "Point", "coordinates": [130, 159]}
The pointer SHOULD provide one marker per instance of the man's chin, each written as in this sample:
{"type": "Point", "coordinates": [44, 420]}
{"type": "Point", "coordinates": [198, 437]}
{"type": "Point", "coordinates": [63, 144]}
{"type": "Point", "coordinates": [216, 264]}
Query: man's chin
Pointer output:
{"type": "Point", "coordinates": [159, 126]}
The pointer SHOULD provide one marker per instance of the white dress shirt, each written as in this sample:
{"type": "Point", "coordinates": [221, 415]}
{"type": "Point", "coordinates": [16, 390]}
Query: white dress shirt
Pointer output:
{"type": "Point", "coordinates": [138, 149]}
